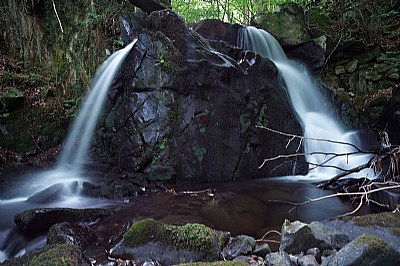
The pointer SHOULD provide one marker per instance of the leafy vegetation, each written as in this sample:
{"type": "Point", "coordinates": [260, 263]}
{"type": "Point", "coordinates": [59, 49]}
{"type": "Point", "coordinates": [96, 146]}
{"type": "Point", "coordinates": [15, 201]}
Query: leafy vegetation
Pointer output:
{"type": "Point", "coordinates": [234, 11]}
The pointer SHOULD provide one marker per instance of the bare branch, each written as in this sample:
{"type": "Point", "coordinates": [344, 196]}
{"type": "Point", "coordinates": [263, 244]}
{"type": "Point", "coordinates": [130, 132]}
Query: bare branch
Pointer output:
{"type": "Point", "coordinates": [364, 193]}
{"type": "Point", "coordinates": [58, 18]}
{"type": "Point", "coordinates": [313, 139]}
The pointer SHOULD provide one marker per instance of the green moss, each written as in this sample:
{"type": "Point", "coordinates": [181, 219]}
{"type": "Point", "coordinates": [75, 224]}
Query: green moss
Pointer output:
{"type": "Point", "coordinates": [199, 152]}
{"type": "Point", "coordinates": [194, 237]}
{"type": "Point", "coordinates": [144, 231]}
{"type": "Point", "coordinates": [59, 255]}
{"type": "Point", "coordinates": [372, 242]}
{"type": "Point", "coordinates": [387, 219]}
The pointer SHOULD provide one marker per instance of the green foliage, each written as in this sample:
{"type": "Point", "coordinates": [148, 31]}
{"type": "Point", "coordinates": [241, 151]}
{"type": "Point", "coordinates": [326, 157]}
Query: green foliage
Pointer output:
{"type": "Point", "coordinates": [199, 152]}
{"type": "Point", "coordinates": [234, 11]}
{"type": "Point", "coordinates": [71, 106]}
{"type": "Point", "coordinates": [165, 65]}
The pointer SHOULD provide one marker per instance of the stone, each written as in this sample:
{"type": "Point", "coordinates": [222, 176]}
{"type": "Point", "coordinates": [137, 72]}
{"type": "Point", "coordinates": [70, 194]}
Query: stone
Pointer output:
{"type": "Point", "coordinates": [278, 259]}
{"type": "Point", "coordinates": [365, 250]}
{"type": "Point", "coordinates": [250, 260]}
{"type": "Point", "coordinates": [310, 53]}
{"type": "Point", "coordinates": [238, 245]}
{"type": "Point", "coordinates": [261, 249]}
{"type": "Point", "coordinates": [169, 244]}
{"type": "Point", "coordinates": [76, 234]}
{"type": "Point", "coordinates": [393, 76]}
{"type": "Point", "coordinates": [351, 66]}
{"type": "Point", "coordinates": [216, 30]}
{"type": "Point", "coordinates": [339, 70]}
{"type": "Point", "coordinates": [11, 99]}
{"type": "Point", "coordinates": [314, 252]}
{"type": "Point", "coordinates": [286, 25]}
{"type": "Point", "coordinates": [177, 99]}
{"type": "Point", "coordinates": [53, 193]}
{"type": "Point", "coordinates": [297, 237]}
{"type": "Point", "coordinates": [307, 260]}
{"type": "Point", "coordinates": [39, 220]}
{"type": "Point", "coordinates": [60, 254]}
{"type": "Point", "coordinates": [331, 238]}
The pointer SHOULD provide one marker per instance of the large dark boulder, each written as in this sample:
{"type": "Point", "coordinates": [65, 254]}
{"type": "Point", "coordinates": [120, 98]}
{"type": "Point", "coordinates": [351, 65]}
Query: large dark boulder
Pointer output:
{"type": "Point", "coordinates": [217, 30]}
{"type": "Point", "coordinates": [35, 221]}
{"type": "Point", "coordinates": [181, 108]}
{"type": "Point", "coordinates": [365, 250]}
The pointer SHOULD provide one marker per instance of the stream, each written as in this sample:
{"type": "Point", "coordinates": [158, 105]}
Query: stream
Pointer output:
{"type": "Point", "coordinates": [251, 207]}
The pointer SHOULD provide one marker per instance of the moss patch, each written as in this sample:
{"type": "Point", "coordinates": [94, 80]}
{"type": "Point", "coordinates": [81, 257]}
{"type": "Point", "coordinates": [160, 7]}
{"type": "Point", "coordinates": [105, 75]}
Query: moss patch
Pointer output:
{"type": "Point", "coordinates": [373, 242]}
{"type": "Point", "coordinates": [194, 237]}
{"type": "Point", "coordinates": [386, 219]}
{"type": "Point", "coordinates": [60, 255]}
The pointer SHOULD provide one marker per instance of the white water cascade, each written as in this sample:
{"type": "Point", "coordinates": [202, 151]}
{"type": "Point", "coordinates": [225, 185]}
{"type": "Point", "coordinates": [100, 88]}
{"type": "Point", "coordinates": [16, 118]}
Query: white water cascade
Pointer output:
{"type": "Point", "coordinates": [313, 111]}
{"type": "Point", "coordinates": [74, 155]}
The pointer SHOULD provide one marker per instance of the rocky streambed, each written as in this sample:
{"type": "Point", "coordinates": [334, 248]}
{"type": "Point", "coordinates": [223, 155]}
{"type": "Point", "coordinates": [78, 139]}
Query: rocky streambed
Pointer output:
{"type": "Point", "coordinates": [372, 239]}
{"type": "Point", "coordinates": [238, 223]}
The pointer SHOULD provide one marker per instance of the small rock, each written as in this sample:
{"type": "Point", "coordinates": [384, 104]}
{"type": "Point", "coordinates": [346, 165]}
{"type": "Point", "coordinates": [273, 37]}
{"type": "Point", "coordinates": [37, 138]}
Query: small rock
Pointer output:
{"type": "Point", "coordinates": [250, 260]}
{"type": "Point", "coordinates": [278, 258]}
{"type": "Point", "coordinates": [307, 260]}
{"type": "Point", "coordinates": [351, 66]}
{"type": "Point", "coordinates": [239, 245]}
{"type": "Point", "coordinates": [49, 194]}
{"type": "Point", "coordinates": [299, 237]}
{"type": "Point", "coordinates": [262, 250]}
{"type": "Point", "coordinates": [315, 252]}
{"type": "Point", "coordinates": [339, 70]}
{"type": "Point", "coordinates": [66, 233]}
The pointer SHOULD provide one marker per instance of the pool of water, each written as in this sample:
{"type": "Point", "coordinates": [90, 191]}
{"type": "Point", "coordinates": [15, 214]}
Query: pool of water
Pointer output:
{"type": "Point", "coordinates": [251, 207]}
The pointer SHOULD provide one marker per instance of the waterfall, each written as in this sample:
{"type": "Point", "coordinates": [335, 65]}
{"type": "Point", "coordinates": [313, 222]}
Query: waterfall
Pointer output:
{"type": "Point", "coordinates": [74, 155]}
{"type": "Point", "coordinates": [314, 113]}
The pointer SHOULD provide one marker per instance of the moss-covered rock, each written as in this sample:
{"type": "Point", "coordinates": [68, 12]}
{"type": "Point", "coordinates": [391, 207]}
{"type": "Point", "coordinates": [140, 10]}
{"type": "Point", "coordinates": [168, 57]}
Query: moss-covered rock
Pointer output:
{"type": "Point", "coordinates": [169, 244]}
{"type": "Point", "coordinates": [287, 25]}
{"type": "Point", "coordinates": [386, 219]}
{"type": "Point", "coordinates": [60, 255]}
{"type": "Point", "coordinates": [365, 250]}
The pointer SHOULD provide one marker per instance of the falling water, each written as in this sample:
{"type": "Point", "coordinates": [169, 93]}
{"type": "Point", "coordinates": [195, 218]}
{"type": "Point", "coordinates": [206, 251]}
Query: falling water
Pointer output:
{"type": "Point", "coordinates": [313, 111]}
{"type": "Point", "coordinates": [73, 156]}
{"type": "Point", "coordinates": [70, 167]}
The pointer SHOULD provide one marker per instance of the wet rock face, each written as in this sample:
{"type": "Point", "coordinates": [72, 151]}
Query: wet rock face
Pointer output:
{"type": "Point", "coordinates": [193, 114]}
{"type": "Point", "coordinates": [217, 30]}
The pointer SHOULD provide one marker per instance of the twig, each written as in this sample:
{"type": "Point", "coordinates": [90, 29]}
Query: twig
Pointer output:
{"type": "Point", "coordinates": [37, 145]}
{"type": "Point", "coordinates": [330, 54]}
{"type": "Point", "coordinates": [59, 21]}
{"type": "Point", "coordinates": [340, 194]}
{"type": "Point", "coordinates": [314, 139]}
